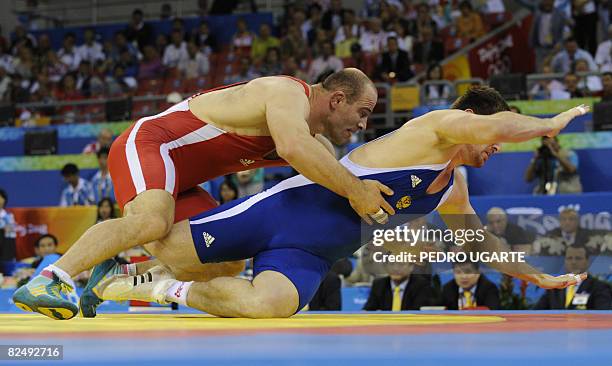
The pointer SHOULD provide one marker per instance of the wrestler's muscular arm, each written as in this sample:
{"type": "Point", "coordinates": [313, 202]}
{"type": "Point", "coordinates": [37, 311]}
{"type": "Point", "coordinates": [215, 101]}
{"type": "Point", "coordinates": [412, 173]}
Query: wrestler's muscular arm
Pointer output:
{"type": "Point", "coordinates": [458, 214]}
{"type": "Point", "coordinates": [460, 127]}
{"type": "Point", "coordinates": [286, 113]}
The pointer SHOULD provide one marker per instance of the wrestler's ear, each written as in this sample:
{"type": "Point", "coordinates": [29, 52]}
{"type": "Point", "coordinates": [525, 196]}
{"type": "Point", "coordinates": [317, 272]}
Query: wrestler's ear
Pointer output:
{"type": "Point", "coordinates": [469, 110]}
{"type": "Point", "coordinates": [337, 98]}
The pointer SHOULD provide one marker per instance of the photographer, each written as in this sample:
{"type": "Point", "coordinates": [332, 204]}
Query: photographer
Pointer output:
{"type": "Point", "coordinates": [555, 168]}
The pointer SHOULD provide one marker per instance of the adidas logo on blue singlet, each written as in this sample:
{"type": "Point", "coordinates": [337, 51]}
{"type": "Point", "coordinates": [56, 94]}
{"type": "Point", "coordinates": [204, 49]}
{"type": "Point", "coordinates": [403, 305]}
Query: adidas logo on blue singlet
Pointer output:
{"type": "Point", "coordinates": [208, 239]}
{"type": "Point", "coordinates": [415, 180]}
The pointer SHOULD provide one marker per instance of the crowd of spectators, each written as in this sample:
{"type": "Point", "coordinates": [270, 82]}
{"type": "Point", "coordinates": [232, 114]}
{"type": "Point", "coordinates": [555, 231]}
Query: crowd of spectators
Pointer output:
{"type": "Point", "coordinates": [564, 37]}
{"type": "Point", "coordinates": [390, 40]}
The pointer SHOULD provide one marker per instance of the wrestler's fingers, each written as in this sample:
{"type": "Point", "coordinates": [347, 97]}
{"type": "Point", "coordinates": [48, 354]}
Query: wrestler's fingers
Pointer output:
{"type": "Point", "coordinates": [387, 207]}
{"type": "Point", "coordinates": [380, 217]}
{"type": "Point", "coordinates": [367, 219]}
{"type": "Point", "coordinates": [383, 188]}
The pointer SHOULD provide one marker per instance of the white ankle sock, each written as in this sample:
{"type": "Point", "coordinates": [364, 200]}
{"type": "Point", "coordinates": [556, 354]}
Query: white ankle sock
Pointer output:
{"type": "Point", "coordinates": [178, 292]}
{"type": "Point", "coordinates": [65, 277]}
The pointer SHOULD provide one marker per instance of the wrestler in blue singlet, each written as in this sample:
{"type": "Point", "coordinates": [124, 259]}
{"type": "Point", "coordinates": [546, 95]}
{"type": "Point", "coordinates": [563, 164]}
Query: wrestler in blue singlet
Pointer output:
{"type": "Point", "coordinates": [299, 228]}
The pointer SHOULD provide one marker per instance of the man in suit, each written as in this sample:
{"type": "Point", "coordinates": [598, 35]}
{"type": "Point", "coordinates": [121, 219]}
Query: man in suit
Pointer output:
{"type": "Point", "coordinates": [590, 294]}
{"type": "Point", "coordinates": [395, 63]}
{"type": "Point", "coordinates": [427, 50]}
{"type": "Point", "coordinates": [400, 290]}
{"type": "Point", "coordinates": [469, 289]}
{"type": "Point", "coordinates": [569, 231]}
{"type": "Point", "coordinates": [514, 235]}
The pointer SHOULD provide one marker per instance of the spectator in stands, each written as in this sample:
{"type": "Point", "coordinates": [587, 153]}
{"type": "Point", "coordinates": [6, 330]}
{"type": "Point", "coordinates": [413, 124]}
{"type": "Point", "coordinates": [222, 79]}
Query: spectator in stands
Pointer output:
{"type": "Point", "coordinates": [196, 64]}
{"type": "Point", "coordinates": [606, 80]}
{"type": "Point", "coordinates": [347, 34]}
{"type": "Point", "coordinates": [588, 84]}
{"type": "Point", "coordinates": [68, 54]}
{"type": "Point", "coordinates": [205, 40]}
{"type": "Point", "coordinates": [104, 140]}
{"type": "Point", "coordinates": [436, 94]}
{"type": "Point", "coordinates": [245, 73]}
{"type": "Point", "coordinates": [469, 289]}
{"type": "Point", "coordinates": [165, 12]}
{"type": "Point", "coordinates": [227, 191]}
{"type": "Point", "coordinates": [21, 38]}
{"type": "Point", "coordinates": [139, 31]}
{"type": "Point", "coordinates": [150, 67]}
{"type": "Point", "coordinates": [555, 168]}
{"type": "Point", "coordinates": [78, 191]}
{"type": "Point", "coordinates": [310, 26]}
{"type": "Point", "coordinates": [544, 88]}
{"type": "Point", "coordinates": [359, 60]}
{"type": "Point", "coordinates": [569, 230]}
{"type": "Point", "coordinates": [316, 49]}
{"type": "Point", "coordinates": [67, 91]}
{"type": "Point", "coordinates": [161, 42]}
{"type": "Point", "coordinates": [121, 44]}
{"type": "Point", "coordinates": [372, 40]}
{"type": "Point", "coordinates": [394, 64]}
{"type": "Point", "coordinates": [423, 19]}
{"type": "Point", "coordinates": [178, 24]}
{"type": "Point", "coordinates": [45, 246]}
{"type": "Point", "coordinates": [7, 219]}
{"type": "Point", "coordinates": [55, 67]}
{"type": "Point", "coordinates": [332, 18]}
{"type": "Point", "coordinates": [40, 52]}
{"type": "Point", "coordinates": [546, 30]}
{"type": "Point", "coordinates": [5, 85]}
{"type": "Point", "coordinates": [175, 51]}
{"type": "Point", "coordinates": [400, 289]}
{"type": "Point", "coordinates": [562, 62]}
{"type": "Point", "coordinates": [19, 89]}
{"type": "Point", "coordinates": [243, 38]}
{"type": "Point", "coordinates": [329, 295]}
{"type": "Point", "coordinates": [603, 57]}
{"type": "Point", "coordinates": [101, 182]}
{"type": "Point", "coordinates": [469, 24]}
{"type": "Point", "coordinates": [263, 42]}
{"type": "Point", "coordinates": [428, 50]}
{"type": "Point", "coordinates": [590, 294]}
{"type": "Point", "coordinates": [7, 61]}
{"type": "Point", "coordinates": [570, 90]}
{"type": "Point", "coordinates": [106, 210]}
{"type": "Point", "coordinates": [90, 50]}
{"type": "Point", "coordinates": [585, 24]}
{"type": "Point", "coordinates": [509, 233]}
{"type": "Point", "coordinates": [293, 45]}
{"type": "Point", "coordinates": [83, 78]}
{"type": "Point", "coordinates": [292, 68]}
{"type": "Point", "coordinates": [128, 63]}
{"type": "Point", "coordinates": [271, 64]}
{"type": "Point", "coordinates": [405, 41]}
{"type": "Point", "coordinates": [325, 62]}
{"type": "Point", "coordinates": [119, 84]}
{"type": "Point", "coordinates": [249, 182]}
{"type": "Point", "coordinates": [24, 63]}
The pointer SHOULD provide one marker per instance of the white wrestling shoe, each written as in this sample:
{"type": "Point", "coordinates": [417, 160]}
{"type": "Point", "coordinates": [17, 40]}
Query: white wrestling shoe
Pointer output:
{"type": "Point", "coordinates": [150, 286]}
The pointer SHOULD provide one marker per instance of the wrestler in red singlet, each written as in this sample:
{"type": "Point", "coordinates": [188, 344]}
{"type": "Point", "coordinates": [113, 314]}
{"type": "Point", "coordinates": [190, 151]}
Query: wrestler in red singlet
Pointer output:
{"type": "Point", "coordinates": [176, 151]}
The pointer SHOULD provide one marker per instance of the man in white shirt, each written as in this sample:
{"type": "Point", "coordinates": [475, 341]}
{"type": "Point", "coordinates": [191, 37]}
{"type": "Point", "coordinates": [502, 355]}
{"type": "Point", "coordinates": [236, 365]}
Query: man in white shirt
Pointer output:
{"type": "Point", "coordinates": [196, 64]}
{"type": "Point", "coordinates": [175, 51]}
{"type": "Point", "coordinates": [373, 39]}
{"type": "Point", "coordinates": [90, 50]}
{"type": "Point", "coordinates": [68, 55]}
{"type": "Point", "coordinates": [603, 57]}
{"type": "Point", "coordinates": [326, 62]}
{"type": "Point", "coordinates": [563, 61]}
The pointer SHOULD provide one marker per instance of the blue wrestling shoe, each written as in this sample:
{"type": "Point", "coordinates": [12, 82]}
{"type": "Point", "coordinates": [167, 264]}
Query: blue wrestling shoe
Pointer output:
{"type": "Point", "coordinates": [43, 294]}
{"type": "Point", "coordinates": [89, 300]}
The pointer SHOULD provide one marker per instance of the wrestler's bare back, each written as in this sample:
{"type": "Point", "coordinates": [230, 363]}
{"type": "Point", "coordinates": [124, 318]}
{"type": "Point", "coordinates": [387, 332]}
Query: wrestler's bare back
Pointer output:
{"type": "Point", "coordinates": [242, 109]}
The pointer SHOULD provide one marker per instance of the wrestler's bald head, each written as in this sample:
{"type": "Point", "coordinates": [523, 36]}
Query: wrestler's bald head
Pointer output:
{"type": "Point", "coordinates": [351, 81]}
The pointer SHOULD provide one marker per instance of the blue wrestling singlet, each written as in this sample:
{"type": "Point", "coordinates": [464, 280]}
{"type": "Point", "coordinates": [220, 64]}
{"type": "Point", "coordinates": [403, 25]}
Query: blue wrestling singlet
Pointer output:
{"type": "Point", "coordinates": [299, 228]}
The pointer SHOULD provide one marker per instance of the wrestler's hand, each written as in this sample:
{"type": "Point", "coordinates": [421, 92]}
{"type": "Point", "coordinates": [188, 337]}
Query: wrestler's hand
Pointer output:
{"type": "Point", "coordinates": [559, 282]}
{"type": "Point", "coordinates": [562, 119]}
{"type": "Point", "coordinates": [367, 200]}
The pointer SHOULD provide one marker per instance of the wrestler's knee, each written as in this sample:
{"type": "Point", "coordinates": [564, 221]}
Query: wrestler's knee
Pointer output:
{"type": "Point", "coordinates": [275, 296]}
{"type": "Point", "coordinates": [270, 306]}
